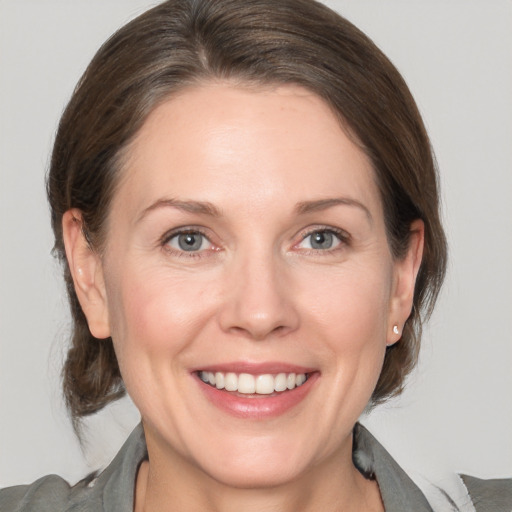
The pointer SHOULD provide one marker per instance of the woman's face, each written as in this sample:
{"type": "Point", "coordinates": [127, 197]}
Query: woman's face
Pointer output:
{"type": "Point", "coordinates": [246, 243]}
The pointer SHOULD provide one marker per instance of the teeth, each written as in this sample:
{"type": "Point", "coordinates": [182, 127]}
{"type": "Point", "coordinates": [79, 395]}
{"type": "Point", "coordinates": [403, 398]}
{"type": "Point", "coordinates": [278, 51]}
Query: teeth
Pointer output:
{"type": "Point", "coordinates": [246, 383]}
{"type": "Point", "coordinates": [219, 380]}
{"type": "Point", "coordinates": [231, 382]}
{"type": "Point", "coordinates": [265, 384]}
{"type": "Point", "coordinates": [280, 382]}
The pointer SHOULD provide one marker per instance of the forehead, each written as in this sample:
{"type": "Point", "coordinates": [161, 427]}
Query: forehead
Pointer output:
{"type": "Point", "coordinates": [218, 142]}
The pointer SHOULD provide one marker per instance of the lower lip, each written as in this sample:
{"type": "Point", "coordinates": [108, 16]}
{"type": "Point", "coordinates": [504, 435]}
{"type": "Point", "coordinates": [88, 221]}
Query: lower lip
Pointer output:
{"type": "Point", "coordinates": [257, 406]}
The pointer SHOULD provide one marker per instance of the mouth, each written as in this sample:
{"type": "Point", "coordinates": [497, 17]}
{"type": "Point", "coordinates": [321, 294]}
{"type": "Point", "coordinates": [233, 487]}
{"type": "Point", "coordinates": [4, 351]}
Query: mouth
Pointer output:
{"type": "Point", "coordinates": [256, 393]}
{"type": "Point", "coordinates": [246, 384]}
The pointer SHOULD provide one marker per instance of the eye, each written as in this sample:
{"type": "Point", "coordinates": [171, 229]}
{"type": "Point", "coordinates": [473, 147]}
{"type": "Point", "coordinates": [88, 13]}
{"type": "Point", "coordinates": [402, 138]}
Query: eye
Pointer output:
{"type": "Point", "coordinates": [321, 240]}
{"type": "Point", "coordinates": [189, 241]}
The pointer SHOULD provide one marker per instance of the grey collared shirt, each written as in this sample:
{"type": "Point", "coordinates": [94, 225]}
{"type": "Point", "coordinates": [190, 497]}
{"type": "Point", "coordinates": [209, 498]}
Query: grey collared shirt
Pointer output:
{"type": "Point", "coordinates": [113, 489]}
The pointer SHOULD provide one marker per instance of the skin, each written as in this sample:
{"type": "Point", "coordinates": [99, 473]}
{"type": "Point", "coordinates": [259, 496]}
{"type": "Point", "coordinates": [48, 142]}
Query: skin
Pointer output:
{"type": "Point", "coordinates": [255, 291]}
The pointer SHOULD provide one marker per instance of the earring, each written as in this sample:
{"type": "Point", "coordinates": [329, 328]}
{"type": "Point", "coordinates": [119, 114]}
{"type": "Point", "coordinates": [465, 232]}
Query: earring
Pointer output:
{"type": "Point", "coordinates": [395, 329]}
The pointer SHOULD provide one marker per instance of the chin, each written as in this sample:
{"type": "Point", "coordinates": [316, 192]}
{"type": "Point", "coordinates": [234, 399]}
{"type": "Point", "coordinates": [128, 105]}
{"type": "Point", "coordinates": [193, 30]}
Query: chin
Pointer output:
{"type": "Point", "coordinates": [254, 476]}
{"type": "Point", "coordinates": [258, 466]}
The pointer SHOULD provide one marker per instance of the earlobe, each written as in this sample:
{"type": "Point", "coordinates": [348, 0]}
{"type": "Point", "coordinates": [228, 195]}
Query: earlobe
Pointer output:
{"type": "Point", "coordinates": [406, 272]}
{"type": "Point", "coordinates": [87, 273]}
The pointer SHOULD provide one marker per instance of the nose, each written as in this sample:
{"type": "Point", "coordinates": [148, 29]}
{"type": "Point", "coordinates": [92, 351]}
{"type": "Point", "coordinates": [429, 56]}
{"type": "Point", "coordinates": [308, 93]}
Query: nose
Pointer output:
{"type": "Point", "coordinates": [258, 300]}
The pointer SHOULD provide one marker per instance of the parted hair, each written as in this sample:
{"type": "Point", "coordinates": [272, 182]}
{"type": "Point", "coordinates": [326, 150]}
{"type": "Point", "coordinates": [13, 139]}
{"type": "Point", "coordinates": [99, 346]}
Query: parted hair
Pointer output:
{"type": "Point", "coordinates": [180, 43]}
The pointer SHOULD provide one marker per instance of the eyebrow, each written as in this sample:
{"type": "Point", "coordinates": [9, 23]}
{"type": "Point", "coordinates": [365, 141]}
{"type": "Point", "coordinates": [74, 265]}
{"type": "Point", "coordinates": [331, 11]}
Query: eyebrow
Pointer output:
{"type": "Point", "coordinates": [207, 208]}
{"type": "Point", "coordinates": [200, 207]}
{"type": "Point", "coordinates": [323, 204]}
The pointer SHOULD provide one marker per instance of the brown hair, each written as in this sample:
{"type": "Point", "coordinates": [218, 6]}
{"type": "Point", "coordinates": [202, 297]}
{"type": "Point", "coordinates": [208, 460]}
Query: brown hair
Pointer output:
{"type": "Point", "coordinates": [184, 42]}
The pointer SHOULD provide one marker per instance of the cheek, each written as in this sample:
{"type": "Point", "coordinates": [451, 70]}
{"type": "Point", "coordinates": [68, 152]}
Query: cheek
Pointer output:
{"type": "Point", "coordinates": [348, 315]}
{"type": "Point", "coordinates": [354, 301]}
{"type": "Point", "coordinates": [154, 311]}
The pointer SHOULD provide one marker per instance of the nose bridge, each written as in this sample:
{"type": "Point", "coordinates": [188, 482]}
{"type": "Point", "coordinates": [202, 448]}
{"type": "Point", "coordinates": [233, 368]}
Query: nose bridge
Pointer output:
{"type": "Point", "coordinates": [257, 301]}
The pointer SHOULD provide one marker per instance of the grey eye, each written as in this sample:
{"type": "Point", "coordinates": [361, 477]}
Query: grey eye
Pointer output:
{"type": "Point", "coordinates": [320, 240]}
{"type": "Point", "coordinates": [189, 242]}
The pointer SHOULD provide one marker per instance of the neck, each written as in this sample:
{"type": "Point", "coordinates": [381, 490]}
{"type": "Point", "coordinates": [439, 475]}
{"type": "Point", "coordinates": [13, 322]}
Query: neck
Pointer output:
{"type": "Point", "coordinates": [333, 485]}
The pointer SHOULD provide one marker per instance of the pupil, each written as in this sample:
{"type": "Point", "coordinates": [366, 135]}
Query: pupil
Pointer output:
{"type": "Point", "coordinates": [189, 242]}
{"type": "Point", "coordinates": [321, 240]}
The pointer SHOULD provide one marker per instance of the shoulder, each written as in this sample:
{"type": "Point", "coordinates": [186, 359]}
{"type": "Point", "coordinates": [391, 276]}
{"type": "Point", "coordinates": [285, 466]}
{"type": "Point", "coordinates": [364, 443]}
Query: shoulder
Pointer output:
{"type": "Point", "coordinates": [50, 493]}
{"type": "Point", "coordinates": [463, 493]}
{"type": "Point", "coordinates": [110, 491]}
{"type": "Point", "coordinates": [493, 495]}
{"type": "Point", "coordinates": [460, 493]}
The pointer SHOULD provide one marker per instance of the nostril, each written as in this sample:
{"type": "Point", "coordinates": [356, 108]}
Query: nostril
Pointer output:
{"type": "Point", "coordinates": [258, 332]}
{"type": "Point", "coordinates": [255, 308]}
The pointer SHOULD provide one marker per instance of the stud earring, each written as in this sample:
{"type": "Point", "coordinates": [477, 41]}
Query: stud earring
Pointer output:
{"type": "Point", "coordinates": [395, 329]}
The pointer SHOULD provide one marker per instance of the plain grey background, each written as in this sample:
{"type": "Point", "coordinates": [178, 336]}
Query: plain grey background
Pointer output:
{"type": "Point", "coordinates": [456, 55]}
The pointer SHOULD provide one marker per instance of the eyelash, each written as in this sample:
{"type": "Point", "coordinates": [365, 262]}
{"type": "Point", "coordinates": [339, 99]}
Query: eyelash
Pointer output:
{"type": "Point", "coordinates": [165, 240]}
{"type": "Point", "coordinates": [341, 235]}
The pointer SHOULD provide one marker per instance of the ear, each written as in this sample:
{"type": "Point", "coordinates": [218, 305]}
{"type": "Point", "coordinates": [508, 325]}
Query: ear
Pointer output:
{"type": "Point", "coordinates": [405, 273]}
{"type": "Point", "coordinates": [87, 273]}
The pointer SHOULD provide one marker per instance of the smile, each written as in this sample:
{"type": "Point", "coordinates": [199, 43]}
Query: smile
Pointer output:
{"type": "Point", "coordinates": [256, 391]}
{"type": "Point", "coordinates": [248, 384]}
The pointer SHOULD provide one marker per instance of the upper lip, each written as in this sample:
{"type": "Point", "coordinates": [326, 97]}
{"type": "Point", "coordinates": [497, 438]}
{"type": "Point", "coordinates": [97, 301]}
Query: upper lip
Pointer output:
{"type": "Point", "coordinates": [270, 367]}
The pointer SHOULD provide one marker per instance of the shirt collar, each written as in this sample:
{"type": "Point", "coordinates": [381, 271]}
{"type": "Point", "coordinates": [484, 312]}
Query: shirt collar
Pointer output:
{"type": "Point", "coordinates": [114, 488]}
{"type": "Point", "coordinates": [399, 493]}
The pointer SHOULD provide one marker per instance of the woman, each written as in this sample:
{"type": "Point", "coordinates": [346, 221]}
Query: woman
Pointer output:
{"type": "Point", "coordinates": [245, 202]}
